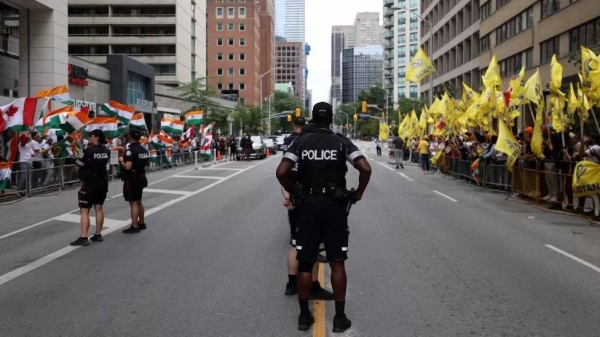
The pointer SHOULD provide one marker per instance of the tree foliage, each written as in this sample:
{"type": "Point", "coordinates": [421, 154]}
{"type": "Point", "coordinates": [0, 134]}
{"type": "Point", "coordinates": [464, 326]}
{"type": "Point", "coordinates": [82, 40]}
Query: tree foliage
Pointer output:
{"type": "Point", "coordinates": [197, 92]}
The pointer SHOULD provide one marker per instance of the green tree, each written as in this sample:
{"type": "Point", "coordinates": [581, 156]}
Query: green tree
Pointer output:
{"type": "Point", "coordinates": [197, 92]}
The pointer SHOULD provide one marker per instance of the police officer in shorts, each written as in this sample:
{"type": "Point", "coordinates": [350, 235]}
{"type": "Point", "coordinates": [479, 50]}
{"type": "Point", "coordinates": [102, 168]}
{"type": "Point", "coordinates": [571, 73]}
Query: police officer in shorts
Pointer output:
{"type": "Point", "coordinates": [322, 202]}
{"type": "Point", "coordinates": [134, 164]}
{"type": "Point", "coordinates": [316, 291]}
{"type": "Point", "coordinates": [94, 185]}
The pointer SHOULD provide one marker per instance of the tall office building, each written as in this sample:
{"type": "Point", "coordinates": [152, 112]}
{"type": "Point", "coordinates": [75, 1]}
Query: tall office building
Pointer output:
{"type": "Point", "coordinates": [362, 68]}
{"type": "Point", "coordinates": [240, 50]}
{"type": "Point", "coordinates": [289, 59]}
{"type": "Point", "coordinates": [169, 35]}
{"type": "Point", "coordinates": [342, 37]}
{"type": "Point", "coordinates": [454, 45]}
{"type": "Point", "coordinates": [401, 36]}
{"type": "Point", "coordinates": [527, 33]}
{"type": "Point", "coordinates": [367, 30]}
{"type": "Point", "coordinates": [290, 18]}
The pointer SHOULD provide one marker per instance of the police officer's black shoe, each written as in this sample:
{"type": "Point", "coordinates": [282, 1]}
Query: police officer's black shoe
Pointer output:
{"type": "Point", "coordinates": [142, 226]}
{"type": "Point", "coordinates": [305, 321]}
{"type": "Point", "coordinates": [291, 289]}
{"type": "Point", "coordinates": [131, 230]}
{"type": "Point", "coordinates": [97, 238]}
{"type": "Point", "coordinates": [80, 242]}
{"type": "Point", "coordinates": [341, 323]}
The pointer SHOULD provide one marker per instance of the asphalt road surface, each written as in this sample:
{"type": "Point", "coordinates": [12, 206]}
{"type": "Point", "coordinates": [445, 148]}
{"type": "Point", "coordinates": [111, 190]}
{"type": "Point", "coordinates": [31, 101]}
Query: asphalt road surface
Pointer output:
{"type": "Point", "coordinates": [429, 256]}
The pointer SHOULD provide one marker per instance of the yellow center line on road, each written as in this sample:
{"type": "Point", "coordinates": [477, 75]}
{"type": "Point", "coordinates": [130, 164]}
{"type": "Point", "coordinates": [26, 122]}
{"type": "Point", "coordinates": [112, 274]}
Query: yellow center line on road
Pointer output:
{"type": "Point", "coordinates": [319, 328]}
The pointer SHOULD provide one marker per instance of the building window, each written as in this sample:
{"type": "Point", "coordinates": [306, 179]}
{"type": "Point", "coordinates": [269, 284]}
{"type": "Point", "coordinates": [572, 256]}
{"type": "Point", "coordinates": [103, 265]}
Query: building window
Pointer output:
{"type": "Point", "coordinates": [413, 49]}
{"type": "Point", "coordinates": [484, 11]}
{"type": "Point", "coordinates": [402, 71]}
{"type": "Point", "coordinates": [219, 12]}
{"type": "Point", "coordinates": [219, 41]}
{"type": "Point", "coordinates": [230, 71]}
{"type": "Point", "coordinates": [414, 37]}
{"type": "Point", "coordinates": [219, 71]}
{"type": "Point", "coordinates": [401, 38]}
{"type": "Point", "coordinates": [230, 12]}
{"type": "Point", "coordinates": [242, 86]}
{"type": "Point", "coordinates": [242, 26]}
{"type": "Point", "coordinates": [219, 56]}
{"type": "Point", "coordinates": [242, 71]}
{"type": "Point", "coordinates": [414, 25]}
{"type": "Point", "coordinates": [230, 27]}
{"type": "Point", "coordinates": [219, 26]}
{"type": "Point", "coordinates": [549, 7]}
{"type": "Point", "coordinates": [500, 3]}
{"type": "Point", "coordinates": [513, 64]}
{"type": "Point", "coordinates": [242, 41]}
{"type": "Point", "coordinates": [242, 56]}
{"type": "Point", "coordinates": [136, 88]}
{"type": "Point", "coordinates": [220, 86]}
{"type": "Point", "coordinates": [230, 57]}
{"type": "Point", "coordinates": [414, 91]}
{"type": "Point", "coordinates": [549, 48]}
{"type": "Point", "coordinates": [242, 12]}
{"type": "Point", "coordinates": [587, 35]}
{"type": "Point", "coordinates": [484, 44]}
{"type": "Point", "coordinates": [402, 59]}
{"type": "Point", "coordinates": [514, 26]}
{"type": "Point", "coordinates": [230, 41]}
{"type": "Point", "coordinates": [230, 86]}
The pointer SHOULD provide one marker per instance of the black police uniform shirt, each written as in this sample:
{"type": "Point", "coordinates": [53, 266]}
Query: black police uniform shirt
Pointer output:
{"type": "Point", "coordinates": [287, 141]}
{"type": "Point", "coordinates": [327, 153]}
{"type": "Point", "coordinates": [139, 157]}
{"type": "Point", "coordinates": [92, 162]}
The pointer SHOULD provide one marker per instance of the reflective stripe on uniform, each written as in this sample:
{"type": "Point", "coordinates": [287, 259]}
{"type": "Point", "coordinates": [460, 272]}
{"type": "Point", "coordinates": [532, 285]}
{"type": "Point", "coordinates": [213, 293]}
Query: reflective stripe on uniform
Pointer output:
{"type": "Point", "coordinates": [291, 157]}
{"type": "Point", "coordinates": [352, 156]}
{"type": "Point", "coordinates": [79, 163]}
{"type": "Point", "coordinates": [344, 249]}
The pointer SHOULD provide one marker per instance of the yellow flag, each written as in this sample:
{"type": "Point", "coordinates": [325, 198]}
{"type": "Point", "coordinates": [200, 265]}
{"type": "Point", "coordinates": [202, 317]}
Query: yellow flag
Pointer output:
{"type": "Point", "coordinates": [492, 77]}
{"type": "Point", "coordinates": [420, 66]}
{"type": "Point", "coordinates": [384, 131]}
{"type": "Point", "coordinates": [537, 138]}
{"type": "Point", "coordinates": [573, 101]}
{"type": "Point", "coordinates": [556, 73]}
{"type": "Point", "coordinates": [508, 144]}
{"type": "Point", "coordinates": [590, 70]}
{"type": "Point", "coordinates": [469, 95]}
{"type": "Point", "coordinates": [414, 122]}
{"type": "Point", "coordinates": [423, 121]}
{"type": "Point", "coordinates": [532, 90]}
{"type": "Point", "coordinates": [402, 129]}
{"type": "Point", "coordinates": [516, 86]}
{"type": "Point", "coordinates": [586, 179]}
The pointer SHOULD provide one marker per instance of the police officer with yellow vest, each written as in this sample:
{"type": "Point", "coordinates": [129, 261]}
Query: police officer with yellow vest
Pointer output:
{"type": "Point", "coordinates": [134, 165]}
{"type": "Point", "coordinates": [323, 204]}
{"type": "Point", "coordinates": [94, 185]}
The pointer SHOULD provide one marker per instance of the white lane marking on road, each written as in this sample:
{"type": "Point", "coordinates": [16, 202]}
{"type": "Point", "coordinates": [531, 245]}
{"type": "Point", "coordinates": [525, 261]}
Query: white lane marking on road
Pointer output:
{"type": "Point", "coordinates": [198, 177]}
{"type": "Point", "coordinates": [222, 168]}
{"type": "Point", "coordinates": [70, 217]}
{"type": "Point", "coordinates": [405, 176]}
{"type": "Point", "coordinates": [25, 228]}
{"type": "Point", "coordinates": [121, 224]}
{"type": "Point", "coordinates": [152, 190]}
{"type": "Point", "coordinates": [583, 262]}
{"type": "Point", "coordinates": [445, 196]}
{"type": "Point", "coordinates": [385, 165]}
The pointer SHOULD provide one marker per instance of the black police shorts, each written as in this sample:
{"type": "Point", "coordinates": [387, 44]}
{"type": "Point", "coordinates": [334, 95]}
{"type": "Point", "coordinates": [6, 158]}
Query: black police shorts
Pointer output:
{"type": "Point", "coordinates": [134, 188]}
{"type": "Point", "coordinates": [293, 219]}
{"type": "Point", "coordinates": [322, 220]}
{"type": "Point", "coordinates": [92, 193]}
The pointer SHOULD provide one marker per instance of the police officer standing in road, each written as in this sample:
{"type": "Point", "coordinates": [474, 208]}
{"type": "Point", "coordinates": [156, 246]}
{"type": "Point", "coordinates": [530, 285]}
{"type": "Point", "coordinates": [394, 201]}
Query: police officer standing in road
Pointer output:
{"type": "Point", "coordinates": [94, 186]}
{"type": "Point", "coordinates": [316, 291]}
{"type": "Point", "coordinates": [134, 179]}
{"type": "Point", "coordinates": [323, 204]}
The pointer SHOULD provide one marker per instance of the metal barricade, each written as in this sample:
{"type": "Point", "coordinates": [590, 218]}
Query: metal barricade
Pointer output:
{"type": "Point", "coordinates": [45, 177]}
{"type": "Point", "coordinates": [495, 176]}
{"type": "Point", "coordinates": [17, 186]}
{"type": "Point", "coordinates": [69, 174]}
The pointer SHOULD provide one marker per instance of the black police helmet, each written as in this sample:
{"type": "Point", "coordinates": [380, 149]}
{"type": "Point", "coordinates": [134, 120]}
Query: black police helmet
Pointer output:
{"type": "Point", "coordinates": [98, 133]}
{"type": "Point", "coordinates": [300, 121]}
{"type": "Point", "coordinates": [135, 133]}
{"type": "Point", "coordinates": [322, 113]}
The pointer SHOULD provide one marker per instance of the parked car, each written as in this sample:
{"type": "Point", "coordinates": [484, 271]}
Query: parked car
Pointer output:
{"type": "Point", "coordinates": [270, 143]}
{"type": "Point", "coordinates": [280, 142]}
{"type": "Point", "coordinates": [259, 149]}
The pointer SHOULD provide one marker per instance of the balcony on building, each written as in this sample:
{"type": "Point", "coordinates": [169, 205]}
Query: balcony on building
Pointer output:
{"type": "Point", "coordinates": [388, 34]}
{"type": "Point", "coordinates": [388, 23]}
{"type": "Point", "coordinates": [121, 15]}
{"type": "Point", "coordinates": [388, 3]}
{"type": "Point", "coordinates": [388, 13]}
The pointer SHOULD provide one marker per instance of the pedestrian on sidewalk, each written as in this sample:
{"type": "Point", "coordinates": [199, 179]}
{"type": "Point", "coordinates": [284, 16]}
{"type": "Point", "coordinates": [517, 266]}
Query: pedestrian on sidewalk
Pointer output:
{"type": "Point", "coordinates": [94, 186]}
{"type": "Point", "coordinates": [398, 147]}
{"type": "Point", "coordinates": [378, 145]}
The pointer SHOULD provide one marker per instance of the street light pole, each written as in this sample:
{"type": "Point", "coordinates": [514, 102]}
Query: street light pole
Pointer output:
{"type": "Point", "coordinates": [261, 88]}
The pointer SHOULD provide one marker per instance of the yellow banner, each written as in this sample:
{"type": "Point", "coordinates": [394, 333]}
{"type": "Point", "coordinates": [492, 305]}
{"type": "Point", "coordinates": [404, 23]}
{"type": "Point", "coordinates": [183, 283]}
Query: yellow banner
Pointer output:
{"type": "Point", "coordinates": [586, 179]}
{"type": "Point", "coordinates": [508, 144]}
{"type": "Point", "coordinates": [384, 131]}
{"type": "Point", "coordinates": [419, 67]}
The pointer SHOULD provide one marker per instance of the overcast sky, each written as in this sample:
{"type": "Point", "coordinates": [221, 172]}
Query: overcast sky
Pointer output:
{"type": "Point", "coordinates": [320, 16]}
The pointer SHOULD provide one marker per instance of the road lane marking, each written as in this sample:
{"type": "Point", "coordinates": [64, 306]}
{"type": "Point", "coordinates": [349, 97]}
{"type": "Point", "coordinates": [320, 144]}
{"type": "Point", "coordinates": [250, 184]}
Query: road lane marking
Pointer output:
{"type": "Point", "coordinates": [405, 176]}
{"type": "Point", "coordinates": [152, 190]}
{"type": "Point", "coordinates": [198, 177]}
{"type": "Point", "coordinates": [25, 228]}
{"type": "Point", "coordinates": [385, 165]}
{"type": "Point", "coordinates": [445, 196]}
{"type": "Point", "coordinates": [320, 326]}
{"type": "Point", "coordinates": [121, 224]}
{"type": "Point", "coordinates": [70, 217]}
{"type": "Point", "coordinates": [223, 168]}
{"type": "Point", "coordinates": [583, 262]}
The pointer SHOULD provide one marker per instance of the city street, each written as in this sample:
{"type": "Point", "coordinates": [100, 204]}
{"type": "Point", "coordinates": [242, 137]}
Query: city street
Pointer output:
{"type": "Point", "coordinates": [429, 256]}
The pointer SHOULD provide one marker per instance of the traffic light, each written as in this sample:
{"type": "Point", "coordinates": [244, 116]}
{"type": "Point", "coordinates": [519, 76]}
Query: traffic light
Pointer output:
{"type": "Point", "coordinates": [364, 107]}
{"type": "Point", "coordinates": [298, 112]}
{"type": "Point", "coordinates": [289, 118]}
{"type": "Point", "coordinates": [355, 117]}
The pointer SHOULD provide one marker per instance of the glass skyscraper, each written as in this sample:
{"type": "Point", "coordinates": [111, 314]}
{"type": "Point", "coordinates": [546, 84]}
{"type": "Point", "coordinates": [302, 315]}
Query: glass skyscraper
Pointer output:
{"type": "Point", "coordinates": [290, 20]}
{"type": "Point", "coordinates": [362, 68]}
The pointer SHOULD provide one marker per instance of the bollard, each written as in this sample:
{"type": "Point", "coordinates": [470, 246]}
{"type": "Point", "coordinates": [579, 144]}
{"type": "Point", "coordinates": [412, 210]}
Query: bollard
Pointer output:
{"type": "Point", "coordinates": [196, 159]}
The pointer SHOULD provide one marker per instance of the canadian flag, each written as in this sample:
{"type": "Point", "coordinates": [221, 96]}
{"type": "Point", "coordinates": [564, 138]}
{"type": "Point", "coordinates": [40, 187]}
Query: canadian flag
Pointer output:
{"type": "Point", "coordinates": [19, 114]}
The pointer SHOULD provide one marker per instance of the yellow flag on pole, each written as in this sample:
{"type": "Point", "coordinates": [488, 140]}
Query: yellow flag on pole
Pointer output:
{"type": "Point", "coordinates": [508, 144]}
{"type": "Point", "coordinates": [590, 70]}
{"type": "Point", "coordinates": [573, 102]}
{"type": "Point", "coordinates": [537, 139]}
{"type": "Point", "coordinates": [492, 77]}
{"type": "Point", "coordinates": [586, 179]}
{"type": "Point", "coordinates": [516, 86]}
{"type": "Point", "coordinates": [384, 131]}
{"type": "Point", "coordinates": [556, 73]}
{"type": "Point", "coordinates": [419, 67]}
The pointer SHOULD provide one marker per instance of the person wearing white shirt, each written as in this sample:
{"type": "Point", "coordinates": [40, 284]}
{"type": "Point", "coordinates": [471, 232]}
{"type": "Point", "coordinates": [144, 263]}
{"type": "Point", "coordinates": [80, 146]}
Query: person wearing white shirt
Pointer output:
{"type": "Point", "coordinates": [25, 154]}
{"type": "Point", "coordinates": [37, 175]}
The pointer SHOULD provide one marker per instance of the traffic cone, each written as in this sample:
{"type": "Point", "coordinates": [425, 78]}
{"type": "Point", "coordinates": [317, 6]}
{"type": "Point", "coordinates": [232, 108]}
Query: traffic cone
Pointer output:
{"type": "Point", "coordinates": [268, 154]}
{"type": "Point", "coordinates": [219, 156]}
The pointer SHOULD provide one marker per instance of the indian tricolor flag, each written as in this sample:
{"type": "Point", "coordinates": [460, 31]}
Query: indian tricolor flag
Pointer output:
{"type": "Point", "coordinates": [5, 170]}
{"type": "Point", "coordinates": [207, 135]}
{"type": "Point", "coordinates": [194, 117]}
{"type": "Point", "coordinates": [108, 125]}
{"type": "Point", "coordinates": [76, 122]}
{"type": "Point", "coordinates": [165, 138]}
{"type": "Point", "coordinates": [138, 121]}
{"type": "Point", "coordinates": [115, 109]}
{"type": "Point", "coordinates": [54, 119]}
{"type": "Point", "coordinates": [18, 115]}
{"type": "Point", "coordinates": [60, 94]}
{"type": "Point", "coordinates": [172, 126]}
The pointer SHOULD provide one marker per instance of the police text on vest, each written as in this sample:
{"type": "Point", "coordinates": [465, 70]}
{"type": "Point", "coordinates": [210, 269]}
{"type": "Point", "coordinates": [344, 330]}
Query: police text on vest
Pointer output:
{"type": "Point", "coordinates": [319, 154]}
